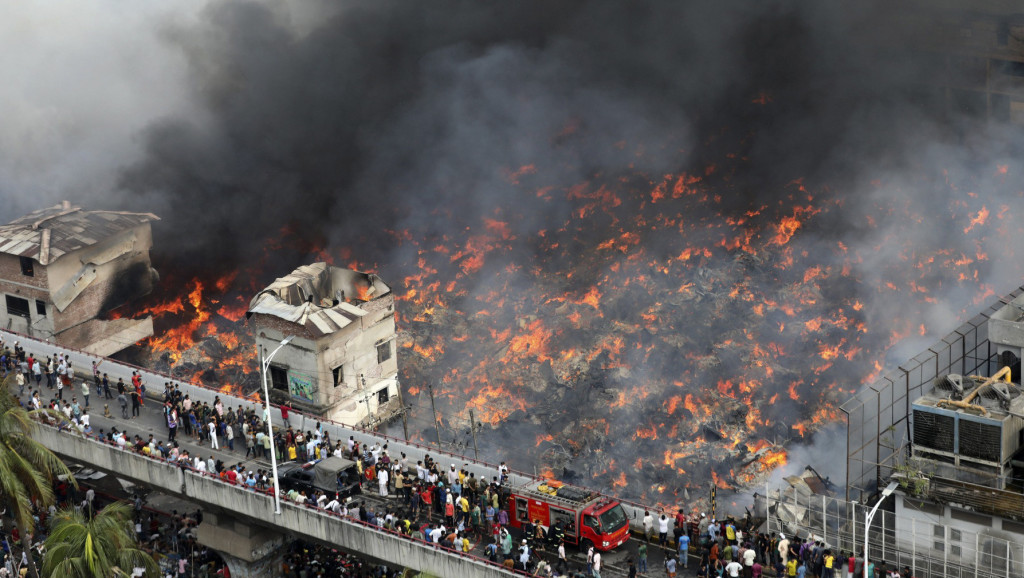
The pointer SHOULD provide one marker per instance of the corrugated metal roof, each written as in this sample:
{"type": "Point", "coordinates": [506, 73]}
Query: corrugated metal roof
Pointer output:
{"type": "Point", "coordinates": [314, 296]}
{"type": "Point", "coordinates": [70, 228]}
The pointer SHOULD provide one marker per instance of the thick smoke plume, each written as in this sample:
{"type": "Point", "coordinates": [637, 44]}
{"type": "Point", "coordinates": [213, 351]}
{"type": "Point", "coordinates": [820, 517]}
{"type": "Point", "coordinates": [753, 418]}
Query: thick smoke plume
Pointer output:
{"type": "Point", "coordinates": [351, 124]}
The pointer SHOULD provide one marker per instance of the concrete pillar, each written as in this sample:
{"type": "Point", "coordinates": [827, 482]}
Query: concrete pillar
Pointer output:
{"type": "Point", "coordinates": [249, 551]}
{"type": "Point", "coordinates": [268, 567]}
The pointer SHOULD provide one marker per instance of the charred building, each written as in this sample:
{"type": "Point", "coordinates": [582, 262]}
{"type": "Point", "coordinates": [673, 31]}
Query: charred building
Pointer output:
{"type": "Point", "coordinates": [342, 362]}
{"type": "Point", "coordinates": [974, 52]}
{"type": "Point", "coordinates": [62, 268]}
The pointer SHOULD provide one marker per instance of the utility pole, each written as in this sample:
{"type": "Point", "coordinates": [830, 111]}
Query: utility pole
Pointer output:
{"type": "Point", "coordinates": [401, 403]}
{"type": "Point", "coordinates": [366, 399]}
{"type": "Point", "coordinates": [433, 409]}
{"type": "Point", "coordinates": [472, 427]}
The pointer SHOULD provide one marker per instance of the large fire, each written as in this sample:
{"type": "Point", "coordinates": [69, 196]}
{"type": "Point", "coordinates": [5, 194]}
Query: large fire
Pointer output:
{"type": "Point", "coordinates": [660, 338]}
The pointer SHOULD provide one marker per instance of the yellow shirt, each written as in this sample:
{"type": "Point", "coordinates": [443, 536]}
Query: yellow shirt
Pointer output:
{"type": "Point", "coordinates": [791, 567]}
{"type": "Point", "coordinates": [829, 560]}
{"type": "Point", "coordinates": [291, 452]}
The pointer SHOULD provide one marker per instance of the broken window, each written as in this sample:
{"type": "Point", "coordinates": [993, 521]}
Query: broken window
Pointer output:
{"type": "Point", "coordinates": [382, 396]}
{"type": "Point", "coordinates": [383, 352]}
{"type": "Point", "coordinates": [279, 378]}
{"type": "Point", "coordinates": [17, 306]}
{"type": "Point", "coordinates": [26, 267]}
{"type": "Point", "coordinates": [41, 308]}
{"type": "Point", "coordinates": [339, 375]}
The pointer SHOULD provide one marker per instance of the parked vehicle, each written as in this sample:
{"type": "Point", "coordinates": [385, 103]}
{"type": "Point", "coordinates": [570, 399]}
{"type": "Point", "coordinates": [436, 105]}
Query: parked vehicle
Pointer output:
{"type": "Point", "coordinates": [330, 475]}
{"type": "Point", "coordinates": [581, 516]}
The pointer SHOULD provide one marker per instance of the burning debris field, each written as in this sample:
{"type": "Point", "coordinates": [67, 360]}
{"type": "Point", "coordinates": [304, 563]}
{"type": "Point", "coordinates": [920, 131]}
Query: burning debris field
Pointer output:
{"type": "Point", "coordinates": [644, 247]}
{"type": "Point", "coordinates": [602, 361]}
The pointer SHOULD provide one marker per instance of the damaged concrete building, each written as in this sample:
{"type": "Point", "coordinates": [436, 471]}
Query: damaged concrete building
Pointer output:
{"type": "Point", "coordinates": [342, 363]}
{"type": "Point", "coordinates": [63, 267]}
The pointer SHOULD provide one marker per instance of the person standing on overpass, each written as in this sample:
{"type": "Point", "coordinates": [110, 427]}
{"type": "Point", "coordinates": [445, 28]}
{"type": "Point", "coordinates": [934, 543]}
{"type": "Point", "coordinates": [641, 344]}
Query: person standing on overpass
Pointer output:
{"type": "Point", "coordinates": [136, 402]}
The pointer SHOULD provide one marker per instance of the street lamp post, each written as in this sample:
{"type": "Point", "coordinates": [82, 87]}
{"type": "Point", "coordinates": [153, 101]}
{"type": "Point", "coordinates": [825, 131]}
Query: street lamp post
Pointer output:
{"type": "Point", "coordinates": [853, 505]}
{"type": "Point", "coordinates": [868, 516]}
{"type": "Point", "coordinates": [264, 367]}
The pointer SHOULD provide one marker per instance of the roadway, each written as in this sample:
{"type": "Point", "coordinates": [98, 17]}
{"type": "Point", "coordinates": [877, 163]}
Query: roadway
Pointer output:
{"type": "Point", "coordinates": [151, 422]}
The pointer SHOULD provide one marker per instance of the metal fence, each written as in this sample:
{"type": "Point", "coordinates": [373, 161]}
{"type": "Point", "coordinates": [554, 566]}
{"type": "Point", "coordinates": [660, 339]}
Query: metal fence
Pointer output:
{"type": "Point", "coordinates": [877, 418]}
{"type": "Point", "coordinates": [932, 549]}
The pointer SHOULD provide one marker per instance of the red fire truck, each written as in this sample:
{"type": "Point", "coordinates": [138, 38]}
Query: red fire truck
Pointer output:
{"type": "Point", "coordinates": [586, 517]}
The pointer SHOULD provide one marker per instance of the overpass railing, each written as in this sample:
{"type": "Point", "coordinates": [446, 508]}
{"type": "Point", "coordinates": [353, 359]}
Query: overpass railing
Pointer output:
{"type": "Point", "coordinates": [303, 520]}
{"type": "Point", "coordinates": [339, 431]}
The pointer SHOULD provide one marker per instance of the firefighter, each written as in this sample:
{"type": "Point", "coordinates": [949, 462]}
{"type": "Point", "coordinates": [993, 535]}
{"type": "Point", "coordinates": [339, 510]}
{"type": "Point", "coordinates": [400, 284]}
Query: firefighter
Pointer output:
{"type": "Point", "coordinates": [528, 532]}
{"type": "Point", "coordinates": [558, 533]}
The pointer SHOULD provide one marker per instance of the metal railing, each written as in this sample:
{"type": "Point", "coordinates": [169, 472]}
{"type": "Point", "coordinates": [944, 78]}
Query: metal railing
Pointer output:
{"type": "Point", "coordinates": [931, 544]}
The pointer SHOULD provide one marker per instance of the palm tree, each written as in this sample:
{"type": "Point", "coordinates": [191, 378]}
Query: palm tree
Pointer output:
{"type": "Point", "coordinates": [27, 467]}
{"type": "Point", "coordinates": [103, 546]}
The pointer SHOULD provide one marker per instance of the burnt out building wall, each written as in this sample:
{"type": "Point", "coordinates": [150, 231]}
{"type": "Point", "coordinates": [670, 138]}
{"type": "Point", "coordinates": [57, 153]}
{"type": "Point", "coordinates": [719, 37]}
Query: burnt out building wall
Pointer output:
{"type": "Point", "coordinates": [26, 296]}
{"type": "Point", "coordinates": [62, 298]}
{"type": "Point", "coordinates": [348, 374]}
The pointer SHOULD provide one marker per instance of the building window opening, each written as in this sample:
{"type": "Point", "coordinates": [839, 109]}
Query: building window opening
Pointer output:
{"type": "Point", "coordinates": [41, 308]}
{"type": "Point", "coordinates": [383, 396]}
{"type": "Point", "coordinates": [26, 267]}
{"type": "Point", "coordinates": [17, 306]}
{"type": "Point", "coordinates": [384, 352]}
{"type": "Point", "coordinates": [279, 378]}
{"type": "Point", "coordinates": [339, 375]}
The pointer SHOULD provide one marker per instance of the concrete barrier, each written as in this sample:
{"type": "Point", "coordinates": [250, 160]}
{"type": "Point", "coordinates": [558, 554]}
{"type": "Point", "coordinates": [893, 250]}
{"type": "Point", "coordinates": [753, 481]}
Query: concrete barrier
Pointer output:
{"type": "Point", "coordinates": [257, 508]}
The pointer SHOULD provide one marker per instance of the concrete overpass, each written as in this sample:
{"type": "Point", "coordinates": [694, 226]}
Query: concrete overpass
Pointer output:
{"type": "Point", "coordinates": [253, 528]}
{"type": "Point", "coordinates": [242, 524]}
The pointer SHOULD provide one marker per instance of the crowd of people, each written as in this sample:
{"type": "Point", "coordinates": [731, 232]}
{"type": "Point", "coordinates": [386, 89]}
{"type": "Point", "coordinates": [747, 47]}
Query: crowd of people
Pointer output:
{"type": "Point", "coordinates": [305, 560]}
{"type": "Point", "coordinates": [734, 549]}
{"type": "Point", "coordinates": [450, 508]}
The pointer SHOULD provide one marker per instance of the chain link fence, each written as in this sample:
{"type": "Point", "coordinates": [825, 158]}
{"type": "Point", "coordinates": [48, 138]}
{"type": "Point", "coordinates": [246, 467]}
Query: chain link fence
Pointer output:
{"type": "Point", "coordinates": [929, 546]}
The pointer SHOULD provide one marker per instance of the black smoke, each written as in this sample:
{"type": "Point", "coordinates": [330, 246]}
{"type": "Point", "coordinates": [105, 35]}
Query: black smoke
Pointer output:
{"type": "Point", "coordinates": [381, 113]}
{"type": "Point", "coordinates": [346, 124]}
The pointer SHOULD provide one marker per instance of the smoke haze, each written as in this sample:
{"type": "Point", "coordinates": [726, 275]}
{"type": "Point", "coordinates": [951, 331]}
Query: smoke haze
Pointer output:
{"type": "Point", "coordinates": [348, 123]}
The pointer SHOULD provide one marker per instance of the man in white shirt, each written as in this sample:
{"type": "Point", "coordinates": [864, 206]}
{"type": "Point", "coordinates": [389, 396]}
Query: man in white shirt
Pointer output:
{"type": "Point", "coordinates": [334, 506]}
{"type": "Point", "coordinates": [435, 534]}
{"type": "Point", "coordinates": [382, 481]}
{"type": "Point", "coordinates": [733, 569]}
{"type": "Point", "coordinates": [748, 557]}
{"type": "Point", "coordinates": [212, 426]}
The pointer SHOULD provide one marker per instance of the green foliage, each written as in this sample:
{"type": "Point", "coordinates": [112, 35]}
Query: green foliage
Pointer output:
{"type": "Point", "coordinates": [27, 467]}
{"type": "Point", "coordinates": [80, 547]}
{"type": "Point", "coordinates": [912, 478]}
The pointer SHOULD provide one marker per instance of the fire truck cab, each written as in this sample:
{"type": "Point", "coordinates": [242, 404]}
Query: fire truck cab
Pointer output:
{"type": "Point", "coordinates": [586, 517]}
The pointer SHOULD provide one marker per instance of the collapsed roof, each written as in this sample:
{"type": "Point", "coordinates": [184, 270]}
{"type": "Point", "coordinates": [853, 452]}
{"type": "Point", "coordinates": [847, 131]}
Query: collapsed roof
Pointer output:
{"type": "Point", "coordinates": [320, 297]}
{"type": "Point", "coordinates": [47, 234]}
